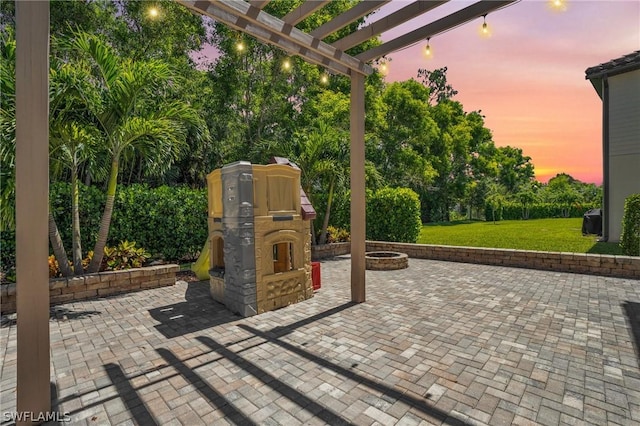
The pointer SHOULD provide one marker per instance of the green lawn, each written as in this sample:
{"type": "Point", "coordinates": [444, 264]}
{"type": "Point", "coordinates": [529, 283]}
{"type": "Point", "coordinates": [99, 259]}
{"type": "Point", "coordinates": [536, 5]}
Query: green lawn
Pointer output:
{"type": "Point", "coordinates": [540, 234]}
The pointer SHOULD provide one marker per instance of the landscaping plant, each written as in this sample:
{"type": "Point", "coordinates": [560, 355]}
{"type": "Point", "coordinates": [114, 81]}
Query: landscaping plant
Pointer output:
{"type": "Point", "coordinates": [630, 236]}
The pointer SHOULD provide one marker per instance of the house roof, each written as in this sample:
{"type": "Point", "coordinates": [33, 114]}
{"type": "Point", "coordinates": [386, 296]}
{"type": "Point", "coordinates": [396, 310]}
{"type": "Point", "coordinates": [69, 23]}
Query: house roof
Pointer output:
{"type": "Point", "coordinates": [624, 64]}
{"type": "Point", "coordinates": [620, 65]}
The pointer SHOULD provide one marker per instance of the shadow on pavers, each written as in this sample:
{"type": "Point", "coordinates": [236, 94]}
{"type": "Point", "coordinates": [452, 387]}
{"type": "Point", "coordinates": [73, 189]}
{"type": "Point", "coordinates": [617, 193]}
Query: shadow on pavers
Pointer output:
{"type": "Point", "coordinates": [632, 311]}
{"type": "Point", "coordinates": [198, 312]}
{"type": "Point", "coordinates": [57, 313]}
{"type": "Point", "coordinates": [420, 404]}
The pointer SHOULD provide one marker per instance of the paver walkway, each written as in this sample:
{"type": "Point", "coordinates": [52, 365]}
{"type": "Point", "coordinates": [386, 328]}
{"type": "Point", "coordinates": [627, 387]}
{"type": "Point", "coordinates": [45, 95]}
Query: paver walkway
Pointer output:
{"type": "Point", "coordinates": [438, 343]}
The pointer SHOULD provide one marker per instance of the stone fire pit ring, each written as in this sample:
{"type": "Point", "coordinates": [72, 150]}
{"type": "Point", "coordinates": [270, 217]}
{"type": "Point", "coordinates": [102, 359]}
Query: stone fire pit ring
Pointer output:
{"type": "Point", "coordinates": [386, 260]}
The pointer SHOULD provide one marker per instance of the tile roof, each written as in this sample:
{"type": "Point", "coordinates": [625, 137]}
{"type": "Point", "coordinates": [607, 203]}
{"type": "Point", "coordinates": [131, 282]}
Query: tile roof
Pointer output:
{"type": "Point", "coordinates": [620, 65]}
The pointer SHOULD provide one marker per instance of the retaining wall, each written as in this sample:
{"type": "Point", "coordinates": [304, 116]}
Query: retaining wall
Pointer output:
{"type": "Point", "coordinates": [63, 290]}
{"type": "Point", "coordinates": [326, 251]}
{"type": "Point", "coordinates": [593, 264]}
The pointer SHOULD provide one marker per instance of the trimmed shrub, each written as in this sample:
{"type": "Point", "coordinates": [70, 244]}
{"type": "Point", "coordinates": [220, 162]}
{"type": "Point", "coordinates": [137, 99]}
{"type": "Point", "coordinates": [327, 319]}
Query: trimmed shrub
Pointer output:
{"type": "Point", "coordinates": [393, 214]}
{"type": "Point", "coordinates": [513, 211]}
{"type": "Point", "coordinates": [630, 236]}
{"type": "Point", "coordinates": [169, 222]}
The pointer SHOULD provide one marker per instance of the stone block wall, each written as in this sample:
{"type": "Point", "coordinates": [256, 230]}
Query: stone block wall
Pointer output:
{"type": "Point", "coordinates": [326, 251]}
{"type": "Point", "coordinates": [63, 290]}
{"type": "Point", "coordinates": [594, 264]}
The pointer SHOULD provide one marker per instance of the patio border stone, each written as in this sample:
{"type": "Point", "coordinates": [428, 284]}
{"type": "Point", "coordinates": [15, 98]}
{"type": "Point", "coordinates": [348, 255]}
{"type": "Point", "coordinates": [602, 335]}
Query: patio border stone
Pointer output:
{"type": "Point", "coordinates": [582, 263]}
{"type": "Point", "coordinates": [107, 283]}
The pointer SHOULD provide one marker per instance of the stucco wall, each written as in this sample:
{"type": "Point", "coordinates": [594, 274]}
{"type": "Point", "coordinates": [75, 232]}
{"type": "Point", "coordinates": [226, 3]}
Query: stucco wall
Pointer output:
{"type": "Point", "coordinates": [624, 146]}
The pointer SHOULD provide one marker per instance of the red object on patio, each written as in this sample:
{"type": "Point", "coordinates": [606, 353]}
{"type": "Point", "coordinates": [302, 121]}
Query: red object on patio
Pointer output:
{"type": "Point", "coordinates": [315, 275]}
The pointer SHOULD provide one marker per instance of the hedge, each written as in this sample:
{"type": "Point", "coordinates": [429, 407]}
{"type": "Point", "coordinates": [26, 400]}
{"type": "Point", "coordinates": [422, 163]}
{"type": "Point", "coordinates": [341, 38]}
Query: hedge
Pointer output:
{"type": "Point", "coordinates": [169, 222]}
{"type": "Point", "coordinates": [393, 214]}
{"type": "Point", "coordinates": [513, 211]}
{"type": "Point", "coordinates": [630, 236]}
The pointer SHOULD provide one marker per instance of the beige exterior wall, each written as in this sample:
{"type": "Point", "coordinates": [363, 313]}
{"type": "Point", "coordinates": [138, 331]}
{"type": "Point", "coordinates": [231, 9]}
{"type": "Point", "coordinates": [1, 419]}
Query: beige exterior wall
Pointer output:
{"type": "Point", "coordinates": [624, 146]}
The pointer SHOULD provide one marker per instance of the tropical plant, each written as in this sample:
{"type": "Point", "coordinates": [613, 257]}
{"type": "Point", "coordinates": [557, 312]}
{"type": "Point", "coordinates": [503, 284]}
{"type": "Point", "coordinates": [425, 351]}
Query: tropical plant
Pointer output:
{"type": "Point", "coordinates": [125, 256]}
{"type": "Point", "coordinates": [630, 235]}
{"type": "Point", "coordinates": [135, 117]}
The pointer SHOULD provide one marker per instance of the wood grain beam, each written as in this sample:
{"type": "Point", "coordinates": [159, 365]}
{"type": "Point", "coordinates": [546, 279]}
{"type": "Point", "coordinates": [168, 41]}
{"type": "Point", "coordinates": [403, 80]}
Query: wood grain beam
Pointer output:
{"type": "Point", "coordinates": [280, 33]}
{"type": "Point", "coordinates": [259, 4]}
{"type": "Point", "coordinates": [436, 27]}
{"type": "Point", "coordinates": [411, 11]}
{"type": "Point", "coordinates": [347, 17]}
{"type": "Point", "coordinates": [239, 23]}
{"type": "Point", "coordinates": [307, 8]}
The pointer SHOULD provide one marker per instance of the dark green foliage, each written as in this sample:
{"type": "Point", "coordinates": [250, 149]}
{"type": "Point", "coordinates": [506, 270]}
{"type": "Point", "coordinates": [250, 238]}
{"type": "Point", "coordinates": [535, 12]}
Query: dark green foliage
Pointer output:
{"type": "Point", "coordinates": [513, 211]}
{"type": "Point", "coordinates": [170, 222]}
{"type": "Point", "coordinates": [92, 201]}
{"type": "Point", "coordinates": [630, 236]}
{"type": "Point", "coordinates": [8, 254]}
{"type": "Point", "coordinates": [393, 214]}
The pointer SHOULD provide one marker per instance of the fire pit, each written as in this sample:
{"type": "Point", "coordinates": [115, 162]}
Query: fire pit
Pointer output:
{"type": "Point", "coordinates": [386, 260]}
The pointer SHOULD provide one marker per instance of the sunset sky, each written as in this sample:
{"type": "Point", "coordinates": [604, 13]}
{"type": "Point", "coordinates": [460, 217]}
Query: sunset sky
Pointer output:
{"type": "Point", "coordinates": [528, 78]}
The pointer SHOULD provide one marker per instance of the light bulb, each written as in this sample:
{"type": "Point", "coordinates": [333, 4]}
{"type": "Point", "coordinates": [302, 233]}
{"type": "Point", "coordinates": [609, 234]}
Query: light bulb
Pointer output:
{"type": "Point", "coordinates": [485, 31]}
{"type": "Point", "coordinates": [153, 12]}
{"type": "Point", "coordinates": [324, 79]}
{"type": "Point", "coordinates": [286, 65]}
{"type": "Point", "coordinates": [384, 69]}
{"type": "Point", "coordinates": [240, 46]}
{"type": "Point", "coordinates": [558, 5]}
{"type": "Point", "coordinates": [427, 50]}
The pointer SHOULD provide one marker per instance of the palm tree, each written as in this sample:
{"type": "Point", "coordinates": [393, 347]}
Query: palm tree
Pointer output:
{"type": "Point", "coordinates": [135, 117]}
{"type": "Point", "coordinates": [321, 157]}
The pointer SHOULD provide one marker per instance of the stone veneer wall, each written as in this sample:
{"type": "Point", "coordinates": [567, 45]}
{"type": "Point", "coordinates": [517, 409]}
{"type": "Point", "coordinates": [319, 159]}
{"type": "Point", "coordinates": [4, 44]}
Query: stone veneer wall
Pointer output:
{"type": "Point", "coordinates": [326, 251]}
{"type": "Point", "coordinates": [63, 290]}
{"type": "Point", "coordinates": [594, 264]}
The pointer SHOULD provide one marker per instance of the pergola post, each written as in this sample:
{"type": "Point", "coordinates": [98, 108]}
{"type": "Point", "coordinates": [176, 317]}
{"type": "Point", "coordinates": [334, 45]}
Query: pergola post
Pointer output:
{"type": "Point", "coordinates": [358, 224]}
{"type": "Point", "coordinates": [32, 195]}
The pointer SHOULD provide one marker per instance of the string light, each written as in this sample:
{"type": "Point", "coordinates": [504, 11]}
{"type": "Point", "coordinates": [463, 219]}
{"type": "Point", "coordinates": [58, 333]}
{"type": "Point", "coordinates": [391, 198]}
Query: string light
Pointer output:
{"type": "Point", "coordinates": [384, 69]}
{"type": "Point", "coordinates": [240, 46]}
{"type": "Point", "coordinates": [427, 50]}
{"type": "Point", "coordinates": [558, 5]}
{"type": "Point", "coordinates": [153, 12]}
{"type": "Point", "coordinates": [286, 65]}
{"type": "Point", "coordinates": [484, 29]}
{"type": "Point", "coordinates": [324, 78]}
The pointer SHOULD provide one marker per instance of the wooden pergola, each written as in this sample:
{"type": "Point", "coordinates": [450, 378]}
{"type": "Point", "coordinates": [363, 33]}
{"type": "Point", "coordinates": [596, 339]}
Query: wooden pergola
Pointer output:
{"type": "Point", "coordinates": [32, 128]}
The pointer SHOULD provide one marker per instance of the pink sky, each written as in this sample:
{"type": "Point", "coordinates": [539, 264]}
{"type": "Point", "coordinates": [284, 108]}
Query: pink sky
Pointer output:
{"type": "Point", "coordinates": [528, 77]}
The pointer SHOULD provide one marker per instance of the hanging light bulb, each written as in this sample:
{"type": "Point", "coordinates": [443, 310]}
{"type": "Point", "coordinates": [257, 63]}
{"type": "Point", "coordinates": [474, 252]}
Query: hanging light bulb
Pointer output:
{"type": "Point", "coordinates": [558, 5]}
{"type": "Point", "coordinates": [484, 29]}
{"type": "Point", "coordinates": [240, 46]}
{"type": "Point", "coordinates": [324, 78]}
{"type": "Point", "coordinates": [154, 12]}
{"type": "Point", "coordinates": [384, 69]}
{"type": "Point", "coordinates": [427, 50]}
{"type": "Point", "coordinates": [286, 64]}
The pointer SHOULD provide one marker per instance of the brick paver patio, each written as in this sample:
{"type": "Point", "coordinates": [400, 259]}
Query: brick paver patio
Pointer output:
{"type": "Point", "coordinates": [438, 343]}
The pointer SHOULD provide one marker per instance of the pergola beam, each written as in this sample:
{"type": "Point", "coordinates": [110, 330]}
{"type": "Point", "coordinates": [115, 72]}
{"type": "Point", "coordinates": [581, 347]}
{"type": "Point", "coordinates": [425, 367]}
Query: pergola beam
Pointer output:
{"type": "Point", "coordinates": [241, 24]}
{"type": "Point", "coordinates": [398, 17]}
{"type": "Point", "coordinates": [288, 32]}
{"type": "Point", "coordinates": [344, 19]}
{"type": "Point", "coordinates": [259, 4]}
{"type": "Point", "coordinates": [242, 16]}
{"type": "Point", "coordinates": [436, 27]}
{"type": "Point", "coordinates": [307, 8]}
{"type": "Point", "coordinates": [32, 207]}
